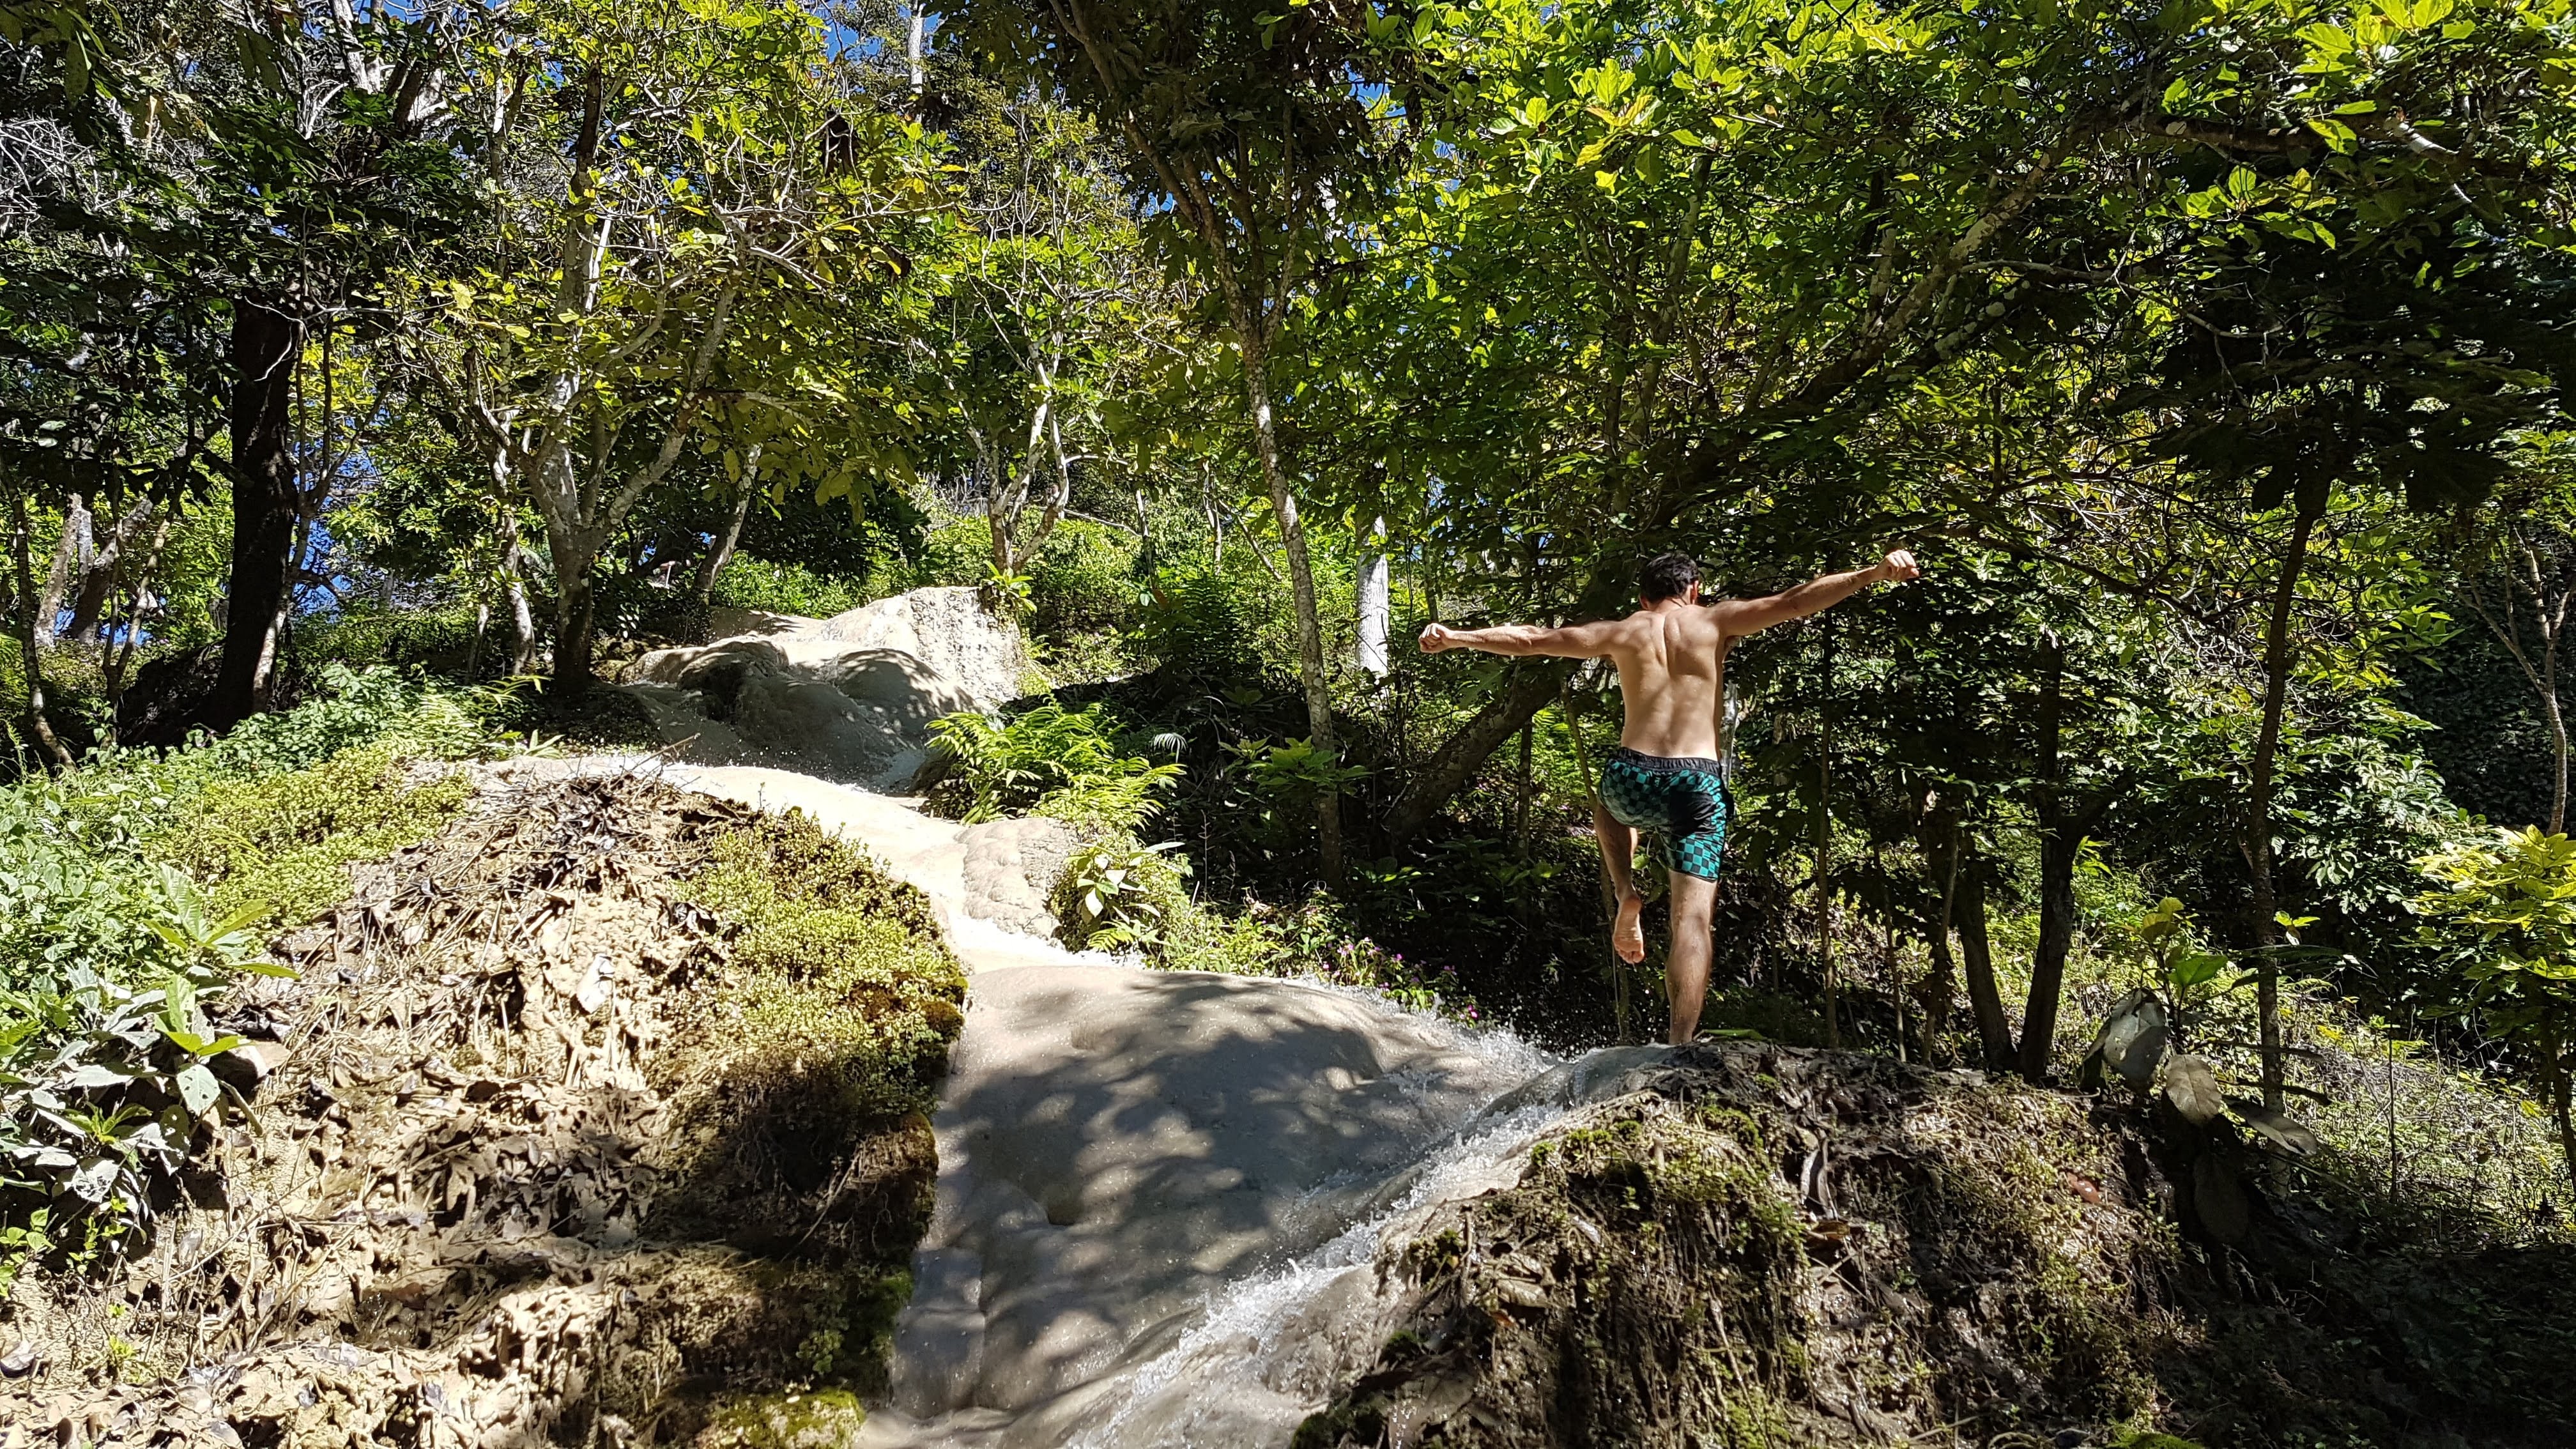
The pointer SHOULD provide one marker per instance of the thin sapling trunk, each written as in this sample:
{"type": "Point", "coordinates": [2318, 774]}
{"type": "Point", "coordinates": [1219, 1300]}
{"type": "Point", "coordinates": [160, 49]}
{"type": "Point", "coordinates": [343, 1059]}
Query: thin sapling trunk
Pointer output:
{"type": "Point", "coordinates": [2258, 802]}
{"type": "Point", "coordinates": [2059, 840]}
{"type": "Point", "coordinates": [30, 657]}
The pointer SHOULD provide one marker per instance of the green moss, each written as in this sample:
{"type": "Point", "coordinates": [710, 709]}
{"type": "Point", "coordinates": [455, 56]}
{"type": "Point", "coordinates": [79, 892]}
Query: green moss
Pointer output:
{"type": "Point", "coordinates": [843, 1314]}
{"type": "Point", "coordinates": [839, 972]}
{"type": "Point", "coordinates": [2076, 1321]}
{"type": "Point", "coordinates": [282, 842]}
{"type": "Point", "coordinates": [819, 1419]}
{"type": "Point", "coordinates": [802, 1083]}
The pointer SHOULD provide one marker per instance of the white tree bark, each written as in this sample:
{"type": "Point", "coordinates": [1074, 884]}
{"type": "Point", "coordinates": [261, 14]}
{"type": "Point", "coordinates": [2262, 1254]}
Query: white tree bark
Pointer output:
{"type": "Point", "coordinates": [1376, 607]}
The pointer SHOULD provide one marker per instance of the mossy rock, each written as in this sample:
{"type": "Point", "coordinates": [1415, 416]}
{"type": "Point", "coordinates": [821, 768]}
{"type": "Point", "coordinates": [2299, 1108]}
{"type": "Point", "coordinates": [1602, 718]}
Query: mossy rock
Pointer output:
{"type": "Point", "coordinates": [816, 1419]}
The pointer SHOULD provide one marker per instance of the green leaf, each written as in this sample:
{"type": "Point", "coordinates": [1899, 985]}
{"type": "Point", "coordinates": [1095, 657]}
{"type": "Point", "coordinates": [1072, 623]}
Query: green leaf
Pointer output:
{"type": "Point", "coordinates": [2329, 39]}
{"type": "Point", "coordinates": [2197, 968]}
{"type": "Point", "coordinates": [198, 1088]}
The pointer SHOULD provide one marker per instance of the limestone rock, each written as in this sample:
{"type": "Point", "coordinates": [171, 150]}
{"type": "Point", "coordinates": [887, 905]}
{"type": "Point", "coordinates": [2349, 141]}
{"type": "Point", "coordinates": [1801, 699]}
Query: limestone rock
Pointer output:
{"type": "Point", "coordinates": [850, 697]}
{"type": "Point", "coordinates": [1011, 866]}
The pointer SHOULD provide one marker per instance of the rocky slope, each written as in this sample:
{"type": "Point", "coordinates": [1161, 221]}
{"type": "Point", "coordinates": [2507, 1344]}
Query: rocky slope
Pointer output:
{"type": "Point", "coordinates": [597, 1120]}
{"type": "Point", "coordinates": [1766, 1246]}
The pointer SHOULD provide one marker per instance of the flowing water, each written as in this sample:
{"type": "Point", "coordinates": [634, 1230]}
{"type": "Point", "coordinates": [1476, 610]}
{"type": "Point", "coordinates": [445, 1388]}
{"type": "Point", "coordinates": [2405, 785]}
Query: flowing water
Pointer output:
{"type": "Point", "coordinates": [1163, 1195]}
{"type": "Point", "coordinates": [1160, 1197]}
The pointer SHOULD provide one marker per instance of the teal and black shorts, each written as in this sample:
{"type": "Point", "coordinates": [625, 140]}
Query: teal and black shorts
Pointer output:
{"type": "Point", "coordinates": [1680, 805]}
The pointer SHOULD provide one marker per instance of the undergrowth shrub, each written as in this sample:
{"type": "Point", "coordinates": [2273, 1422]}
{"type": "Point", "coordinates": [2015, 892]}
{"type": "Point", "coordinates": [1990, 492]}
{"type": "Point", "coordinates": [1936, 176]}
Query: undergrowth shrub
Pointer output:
{"type": "Point", "coordinates": [132, 890]}
{"type": "Point", "coordinates": [1068, 765]}
{"type": "Point", "coordinates": [776, 588]}
{"type": "Point", "coordinates": [404, 638]}
{"type": "Point", "coordinates": [956, 554]}
{"type": "Point", "coordinates": [1082, 581]}
{"type": "Point", "coordinates": [356, 707]}
{"type": "Point", "coordinates": [1201, 625]}
{"type": "Point", "coordinates": [1118, 893]}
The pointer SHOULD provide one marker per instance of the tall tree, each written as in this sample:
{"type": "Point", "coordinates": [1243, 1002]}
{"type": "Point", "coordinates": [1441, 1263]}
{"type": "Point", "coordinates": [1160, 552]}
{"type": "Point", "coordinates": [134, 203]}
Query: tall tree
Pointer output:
{"type": "Point", "coordinates": [1057, 312]}
{"type": "Point", "coordinates": [317, 202]}
{"type": "Point", "coordinates": [1647, 264]}
{"type": "Point", "coordinates": [688, 232]}
{"type": "Point", "coordinates": [2519, 578]}
{"type": "Point", "coordinates": [1251, 125]}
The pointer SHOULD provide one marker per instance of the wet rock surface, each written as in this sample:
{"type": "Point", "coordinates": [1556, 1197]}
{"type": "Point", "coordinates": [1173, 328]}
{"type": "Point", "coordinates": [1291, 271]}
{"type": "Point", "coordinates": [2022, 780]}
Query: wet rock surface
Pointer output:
{"type": "Point", "coordinates": [1118, 1146]}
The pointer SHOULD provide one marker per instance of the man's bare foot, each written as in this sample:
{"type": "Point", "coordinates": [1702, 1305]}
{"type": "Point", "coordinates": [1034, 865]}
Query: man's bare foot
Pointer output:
{"type": "Point", "coordinates": [1628, 932]}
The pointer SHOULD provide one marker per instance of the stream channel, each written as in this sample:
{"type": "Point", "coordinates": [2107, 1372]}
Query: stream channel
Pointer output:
{"type": "Point", "coordinates": [1163, 1195]}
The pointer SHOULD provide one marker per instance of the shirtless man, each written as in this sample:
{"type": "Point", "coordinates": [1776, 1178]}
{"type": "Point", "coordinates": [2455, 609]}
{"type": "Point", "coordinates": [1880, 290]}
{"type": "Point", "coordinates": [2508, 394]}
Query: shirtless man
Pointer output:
{"type": "Point", "coordinates": [1663, 779]}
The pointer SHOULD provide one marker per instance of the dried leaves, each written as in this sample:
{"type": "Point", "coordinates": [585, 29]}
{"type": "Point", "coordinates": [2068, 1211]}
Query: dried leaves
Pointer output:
{"type": "Point", "coordinates": [442, 1224]}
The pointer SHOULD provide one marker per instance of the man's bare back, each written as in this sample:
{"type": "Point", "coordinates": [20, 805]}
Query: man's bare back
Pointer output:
{"type": "Point", "coordinates": [1665, 777]}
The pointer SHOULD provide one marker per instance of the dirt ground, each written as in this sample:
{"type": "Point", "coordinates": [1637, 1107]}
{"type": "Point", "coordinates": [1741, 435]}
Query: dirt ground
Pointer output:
{"type": "Point", "coordinates": [538, 1147]}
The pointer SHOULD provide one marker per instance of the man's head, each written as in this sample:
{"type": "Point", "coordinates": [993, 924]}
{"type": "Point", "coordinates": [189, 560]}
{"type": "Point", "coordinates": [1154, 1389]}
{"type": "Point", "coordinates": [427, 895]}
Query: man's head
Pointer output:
{"type": "Point", "coordinates": [1668, 576]}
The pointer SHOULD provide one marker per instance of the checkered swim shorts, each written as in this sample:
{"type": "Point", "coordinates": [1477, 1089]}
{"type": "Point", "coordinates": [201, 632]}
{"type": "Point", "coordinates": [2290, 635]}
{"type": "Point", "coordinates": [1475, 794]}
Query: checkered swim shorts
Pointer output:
{"type": "Point", "coordinates": [1680, 805]}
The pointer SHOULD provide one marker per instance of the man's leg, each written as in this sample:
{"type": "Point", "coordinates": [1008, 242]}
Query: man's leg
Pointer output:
{"type": "Point", "coordinates": [1618, 854]}
{"type": "Point", "coordinates": [1686, 973]}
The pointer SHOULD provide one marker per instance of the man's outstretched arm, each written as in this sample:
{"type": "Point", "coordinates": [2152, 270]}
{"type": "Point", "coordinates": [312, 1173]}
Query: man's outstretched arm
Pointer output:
{"type": "Point", "coordinates": [1743, 616]}
{"type": "Point", "coordinates": [1574, 641]}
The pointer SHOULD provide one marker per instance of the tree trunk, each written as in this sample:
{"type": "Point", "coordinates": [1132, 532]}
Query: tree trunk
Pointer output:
{"type": "Point", "coordinates": [2058, 842]}
{"type": "Point", "coordinates": [1301, 579]}
{"type": "Point", "coordinates": [266, 502]}
{"type": "Point", "coordinates": [1985, 997]}
{"type": "Point", "coordinates": [523, 620]}
{"type": "Point", "coordinates": [1376, 611]}
{"type": "Point", "coordinates": [2553, 1064]}
{"type": "Point", "coordinates": [1937, 836]}
{"type": "Point", "coordinates": [574, 609]}
{"type": "Point", "coordinates": [722, 552]}
{"type": "Point", "coordinates": [2048, 962]}
{"type": "Point", "coordinates": [1521, 792]}
{"type": "Point", "coordinates": [73, 553]}
{"type": "Point", "coordinates": [573, 553]}
{"type": "Point", "coordinates": [1530, 684]}
{"type": "Point", "coordinates": [32, 659]}
{"type": "Point", "coordinates": [90, 600]}
{"type": "Point", "coordinates": [1825, 847]}
{"type": "Point", "coordinates": [2557, 730]}
{"type": "Point", "coordinates": [2549, 618]}
{"type": "Point", "coordinates": [2258, 802]}
{"type": "Point", "coordinates": [118, 655]}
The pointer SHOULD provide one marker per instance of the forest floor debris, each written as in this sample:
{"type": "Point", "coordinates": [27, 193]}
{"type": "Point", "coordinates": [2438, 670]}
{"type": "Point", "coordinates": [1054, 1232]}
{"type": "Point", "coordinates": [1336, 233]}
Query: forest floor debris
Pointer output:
{"type": "Point", "coordinates": [1771, 1246]}
{"type": "Point", "coordinates": [597, 1119]}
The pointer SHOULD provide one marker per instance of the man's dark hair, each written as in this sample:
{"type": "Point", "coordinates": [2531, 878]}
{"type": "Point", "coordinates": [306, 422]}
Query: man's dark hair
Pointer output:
{"type": "Point", "coordinates": [1667, 576]}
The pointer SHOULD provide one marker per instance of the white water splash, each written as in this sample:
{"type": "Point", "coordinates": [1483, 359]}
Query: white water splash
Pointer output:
{"type": "Point", "coordinates": [1257, 1344]}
